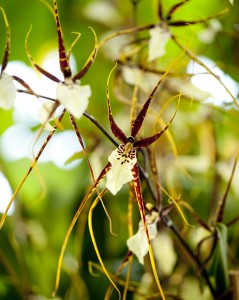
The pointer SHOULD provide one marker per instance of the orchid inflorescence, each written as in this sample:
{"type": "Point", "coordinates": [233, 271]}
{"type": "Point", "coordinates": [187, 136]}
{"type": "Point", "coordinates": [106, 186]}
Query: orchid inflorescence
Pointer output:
{"type": "Point", "coordinates": [123, 166]}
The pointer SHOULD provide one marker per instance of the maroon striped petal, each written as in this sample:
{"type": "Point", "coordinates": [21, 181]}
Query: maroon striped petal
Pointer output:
{"type": "Point", "coordinates": [64, 64]}
{"type": "Point", "coordinates": [118, 133]}
{"type": "Point", "coordinates": [160, 10]}
{"type": "Point", "coordinates": [140, 118]}
{"type": "Point", "coordinates": [89, 62]}
{"type": "Point", "coordinates": [139, 198]}
{"type": "Point", "coordinates": [149, 140]}
{"type": "Point", "coordinates": [7, 45]}
{"type": "Point", "coordinates": [174, 8]}
{"type": "Point", "coordinates": [35, 65]}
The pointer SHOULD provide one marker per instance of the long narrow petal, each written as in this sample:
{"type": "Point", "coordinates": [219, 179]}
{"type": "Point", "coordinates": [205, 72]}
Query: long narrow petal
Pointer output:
{"type": "Point", "coordinates": [174, 8]}
{"type": "Point", "coordinates": [149, 140]}
{"type": "Point", "coordinates": [140, 118]}
{"type": "Point", "coordinates": [7, 46]}
{"type": "Point", "coordinates": [64, 64]}
{"type": "Point", "coordinates": [160, 10]}
{"type": "Point", "coordinates": [137, 188]}
{"type": "Point", "coordinates": [118, 133]}
{"type": "Point", "coordinates": [139, 198]}
{"type": "Point", "coordinates": [40, 69]}
{"type": "Point", "coordinates": [89, 62]}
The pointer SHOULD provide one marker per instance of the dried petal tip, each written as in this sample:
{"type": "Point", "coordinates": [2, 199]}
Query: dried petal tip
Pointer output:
{"type": "Point", "coordinates": [138, 243]}
{"type": "Point", "coordinates": [74, 97]}
{"type": "Point", "coordinates": [7, 91]}
{"type": "Point", "coordinates": [121, 171]}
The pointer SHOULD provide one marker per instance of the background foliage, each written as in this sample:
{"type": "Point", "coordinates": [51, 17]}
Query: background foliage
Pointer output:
{"type": "Point", "coordinates": [194, 158]}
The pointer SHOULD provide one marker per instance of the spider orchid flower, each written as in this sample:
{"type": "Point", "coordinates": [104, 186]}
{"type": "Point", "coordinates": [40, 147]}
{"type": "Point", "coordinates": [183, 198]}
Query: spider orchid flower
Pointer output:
{"type": "Point", "coordinates": [123, 160]}
{"type": "Point", "coordinates": [73, 96]}
{"type": "Point", "coordinates": [7, 87]}
{"type": "Point", "coordinates": [138, 243]}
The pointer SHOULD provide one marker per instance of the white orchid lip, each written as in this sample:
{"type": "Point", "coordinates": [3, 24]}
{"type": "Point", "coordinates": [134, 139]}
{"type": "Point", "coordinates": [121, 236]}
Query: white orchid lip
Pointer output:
{"type": "Point", "coordinates": [7, 91]}
{"type": "Point", "coordinates": [74, 97]}
{"type": "Point", "coordinates": [122, 161]}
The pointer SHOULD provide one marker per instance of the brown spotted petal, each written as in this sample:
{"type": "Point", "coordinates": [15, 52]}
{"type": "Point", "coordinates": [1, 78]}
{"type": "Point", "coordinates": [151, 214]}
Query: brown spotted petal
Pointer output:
{"type": "Point", "coordinates": [121, 171]}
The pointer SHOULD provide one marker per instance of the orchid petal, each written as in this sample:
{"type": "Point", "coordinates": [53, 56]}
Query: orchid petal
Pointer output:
{"type": "Point", "coordinates": [158, 39]}
{"type": "Point", "coordinates": [7, 91]}
{"type": "Point", "coordinates": [138, 243]}
{"type": "Point", "coordinates": [64, 64]}
{"type": "Point", "coordinates": [121, 171]}
{"type": "Point", "coordinates": [208, 35]}
{"type": "Point", "coordinates": [45, 115]}
{"type": "Point", "coordinates": [74, 97]}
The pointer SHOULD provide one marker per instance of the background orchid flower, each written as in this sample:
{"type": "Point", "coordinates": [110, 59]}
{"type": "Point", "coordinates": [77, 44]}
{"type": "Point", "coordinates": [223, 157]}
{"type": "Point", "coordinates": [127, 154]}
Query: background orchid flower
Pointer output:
{"type": "Point", "coordinates": [159, 36]}
{"type": "Point", "coordinates": [69, 92]}
{"type": "Point", "coordinates": [7, 87]}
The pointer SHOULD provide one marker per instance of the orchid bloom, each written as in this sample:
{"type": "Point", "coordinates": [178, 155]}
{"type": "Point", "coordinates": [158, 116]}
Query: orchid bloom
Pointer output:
{"type": "Point", "coordinates": [208, 35]}
{"type": "Point", "coordinates": [122, 164]}
{"type": "Point", "coordinates": [138, 243]}
{"type": "Point", "coordinates": [7, 87]}
{"type": "Point", "coordinates": [73, 96]}
{"type": "Point", "coordinates": [160, 33]}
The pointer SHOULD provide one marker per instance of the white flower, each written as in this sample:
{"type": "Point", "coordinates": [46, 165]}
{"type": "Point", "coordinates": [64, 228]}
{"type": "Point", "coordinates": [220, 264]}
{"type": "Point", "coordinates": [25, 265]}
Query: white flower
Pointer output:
{"type": "Point", "coordinates": [166, 257]}
{"type": "Point", "coordinates": [135, 76]}
{"type": "Point", "coordinates": [207, 36]}
{"type": "Point", "coordinates": [74, 97]}
{"type": "Point", "coordinates": [7, 91]}
{"type": "Point", "coordinates": [122, 163]}
{"type": "Point", "coordinates": [103, 12]}
{"type": "Point", "coordinates": [44, 114]}
{"type": "Point", "coordinates": [138, 243]}
{"type": "Point", "coordinates": [159, 37]}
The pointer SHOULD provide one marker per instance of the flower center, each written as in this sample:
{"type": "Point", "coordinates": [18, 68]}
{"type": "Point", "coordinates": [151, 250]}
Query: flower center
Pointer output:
{"type": "Point", "coordinates": [126, 153]}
